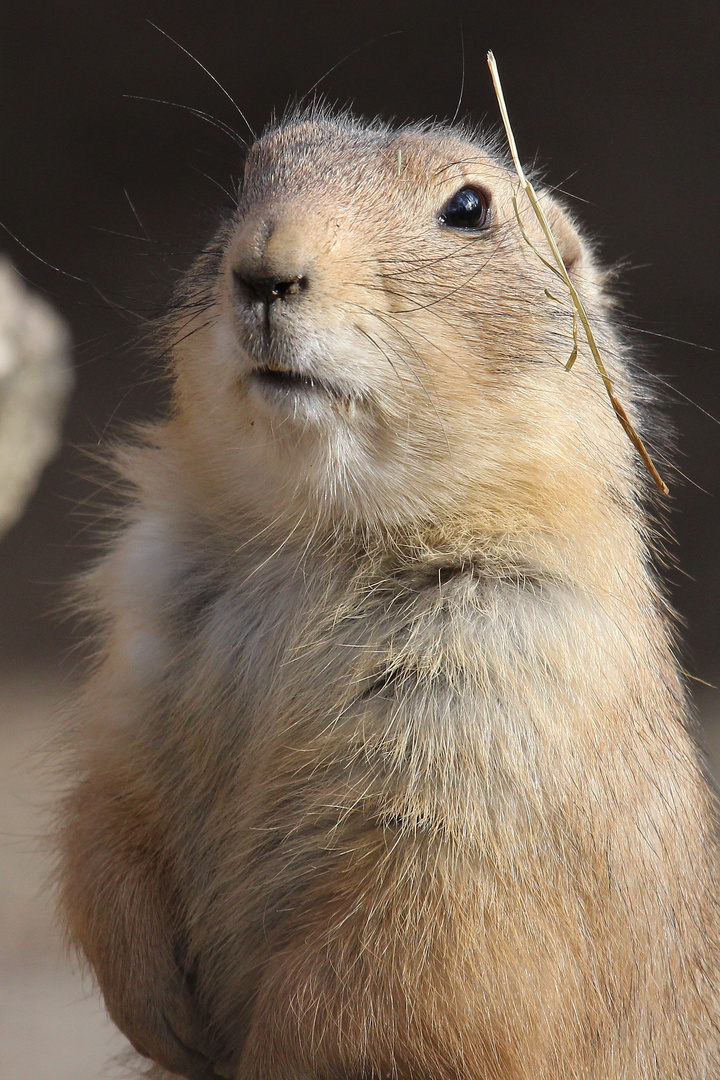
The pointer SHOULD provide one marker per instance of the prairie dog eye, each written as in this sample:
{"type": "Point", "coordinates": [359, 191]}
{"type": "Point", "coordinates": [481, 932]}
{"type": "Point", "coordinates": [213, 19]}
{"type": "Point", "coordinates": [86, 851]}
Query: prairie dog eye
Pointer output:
{"type": "Point", "coordinates": [469, 208]}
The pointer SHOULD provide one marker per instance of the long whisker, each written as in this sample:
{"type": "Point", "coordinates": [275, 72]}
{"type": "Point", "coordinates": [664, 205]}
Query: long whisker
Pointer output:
{"type": "Point", "coordinates": [348, 56]}
{"type": "Point", "coordinates": [137, 217]}
{"type": "Point", "coordinates": [51, 266]}
{"type": "Point", "coordinates": [451, 292]}
{"type": "Point", "coordinates": [210, 75]}
{"type": "Point", "coordinates": [200, 113]}
{"type": "Point", "coordinates": [485, 162]}
{"type": "Point", "coordinates": [462, 81]}
{"type": "Point", "coordinates": [389, 323]}
{"type": "Point", "coordinates": [410, 368]}
{"type": "Point", "coordinates": [465, 249]}
{"type": "Point", "coordinates": [674, 390]}
{"type": "Point", "coordinates": [106, 297]}
{"type": "Point", "coordinates": [212, 180]}
{"type": "Point", "coordinates": [391, 318]}
{"type": "Point", "coordinates": [372, 341]}
{"type": "Point", "coordinates": [664, 337]}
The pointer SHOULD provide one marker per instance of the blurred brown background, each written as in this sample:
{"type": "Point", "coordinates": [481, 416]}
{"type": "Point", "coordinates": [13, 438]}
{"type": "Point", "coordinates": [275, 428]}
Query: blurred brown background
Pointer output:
{"type": "Point", "coordinates": [618, 102]}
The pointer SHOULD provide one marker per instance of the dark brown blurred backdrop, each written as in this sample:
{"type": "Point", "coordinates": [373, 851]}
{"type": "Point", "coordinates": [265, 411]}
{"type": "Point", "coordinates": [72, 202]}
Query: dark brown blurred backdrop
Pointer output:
{"type": "Point", "coordinates": [618, 101]}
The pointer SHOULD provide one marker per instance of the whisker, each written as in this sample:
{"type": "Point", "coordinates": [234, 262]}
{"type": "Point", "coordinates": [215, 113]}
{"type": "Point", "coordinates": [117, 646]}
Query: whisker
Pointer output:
{"type": "Point", "coordinates": [408, 365]}
{"type": "Point", "coordinates": [462, 81]}
{"type": "Point", "coordinates": [348, 56]}
{"type": "Point", "coordinates": [207, 117]}
{"type": "Point", "coordinates": [212, 180]}
{"type": "Point", "coordinates": [664, 337]}
{"type": "Point", "coordinates": [429, 341]}
{"type": "Point", "coordinates": [137, 217]}
{"type": "Point", "coordinates": [485, 162]}
{"type": "Point", "coordinates": [678, 393]}
{"type": "Point", "coordinates": [465, 249]}
{"type": "Point", "coordinates": [116, 232]}
{"type": "Point", "coordinates": [451, 292]}
{"type": "Point", "coordinates": [219, 85]}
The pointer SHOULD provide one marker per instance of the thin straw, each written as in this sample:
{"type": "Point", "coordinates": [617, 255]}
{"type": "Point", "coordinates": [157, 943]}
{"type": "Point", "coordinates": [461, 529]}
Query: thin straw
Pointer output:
{"type": "Point", "coordinates": [563, 274]}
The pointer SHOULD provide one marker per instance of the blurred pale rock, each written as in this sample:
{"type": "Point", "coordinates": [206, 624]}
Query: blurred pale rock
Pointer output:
{"type": "Point", "coordinates": [35, 379]}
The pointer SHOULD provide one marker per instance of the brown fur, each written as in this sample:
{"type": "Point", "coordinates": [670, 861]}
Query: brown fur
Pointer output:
{"type": "Point", "coordinates": [382, 772]}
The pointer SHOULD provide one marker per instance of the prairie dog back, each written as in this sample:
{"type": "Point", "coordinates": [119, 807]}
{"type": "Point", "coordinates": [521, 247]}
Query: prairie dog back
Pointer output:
{"type": "Point", "coordinates": [382, 771]}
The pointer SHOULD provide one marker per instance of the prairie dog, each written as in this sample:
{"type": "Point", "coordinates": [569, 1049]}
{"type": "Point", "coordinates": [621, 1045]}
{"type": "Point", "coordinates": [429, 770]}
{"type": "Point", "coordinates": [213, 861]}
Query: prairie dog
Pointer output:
{"type": "Point", "coordinates": [382, 771]}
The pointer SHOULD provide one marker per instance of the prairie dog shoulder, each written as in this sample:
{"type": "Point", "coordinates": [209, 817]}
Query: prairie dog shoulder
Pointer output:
{"type": "Point", "coordinates": [385, 771]}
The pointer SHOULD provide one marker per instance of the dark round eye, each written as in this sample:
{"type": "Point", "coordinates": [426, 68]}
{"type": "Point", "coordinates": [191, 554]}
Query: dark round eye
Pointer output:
{"type": "Point", "coordinates": [469, 208]}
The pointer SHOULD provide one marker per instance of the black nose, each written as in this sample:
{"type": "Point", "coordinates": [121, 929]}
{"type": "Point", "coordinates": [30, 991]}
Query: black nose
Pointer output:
{"type": "Point", "coordinates": [268, 289]}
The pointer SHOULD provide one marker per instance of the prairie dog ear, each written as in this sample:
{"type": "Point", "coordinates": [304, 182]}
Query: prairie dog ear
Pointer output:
{"type": "Point", "coordinates": [569, 242]}
{"type": "Point", "coordinates": [574, 251]}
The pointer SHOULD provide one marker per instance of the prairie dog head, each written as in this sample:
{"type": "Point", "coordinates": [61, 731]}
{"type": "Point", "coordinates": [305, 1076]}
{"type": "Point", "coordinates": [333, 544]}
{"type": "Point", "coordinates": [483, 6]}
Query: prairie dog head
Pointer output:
{"type": "Point", "coordinates": [376, 343]}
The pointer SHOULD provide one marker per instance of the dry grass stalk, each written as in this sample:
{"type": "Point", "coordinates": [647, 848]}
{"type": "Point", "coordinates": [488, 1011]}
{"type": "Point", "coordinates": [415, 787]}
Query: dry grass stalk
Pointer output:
{"type": "Point", "coordinates": [560, 271]}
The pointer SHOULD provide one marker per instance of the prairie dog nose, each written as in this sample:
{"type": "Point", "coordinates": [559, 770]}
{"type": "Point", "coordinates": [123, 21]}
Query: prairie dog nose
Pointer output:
{"type": "Point", "coordinates": [270, 261]}
{"type": "Point", "coordinates": [268, 289]}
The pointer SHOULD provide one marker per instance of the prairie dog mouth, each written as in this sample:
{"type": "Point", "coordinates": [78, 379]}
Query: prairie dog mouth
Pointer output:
{"type": "Point", "coordinates": [286, 380]}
